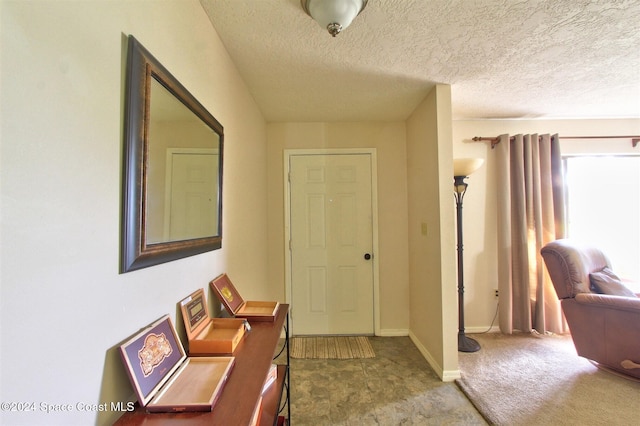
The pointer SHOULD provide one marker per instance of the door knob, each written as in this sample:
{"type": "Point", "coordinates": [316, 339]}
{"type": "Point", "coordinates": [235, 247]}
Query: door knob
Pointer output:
{"type": "Point", "coordinates": [367, 256]}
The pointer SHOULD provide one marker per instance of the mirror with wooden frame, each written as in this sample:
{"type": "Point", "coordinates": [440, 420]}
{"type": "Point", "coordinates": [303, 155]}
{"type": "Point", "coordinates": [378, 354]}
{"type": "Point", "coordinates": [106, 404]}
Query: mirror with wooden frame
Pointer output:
{"type": "Point", "coordinates": [172, 168]}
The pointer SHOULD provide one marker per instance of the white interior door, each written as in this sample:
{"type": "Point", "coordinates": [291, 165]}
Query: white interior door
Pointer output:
{"type": "Point", "coordinates": [331, 231]}
{"type": "Point", "coordinates": [192, 195]}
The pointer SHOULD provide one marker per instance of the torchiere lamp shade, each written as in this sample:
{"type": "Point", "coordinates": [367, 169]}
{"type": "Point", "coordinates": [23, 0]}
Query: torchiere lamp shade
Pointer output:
{"type": "Point", "coordinates": [466, 166]}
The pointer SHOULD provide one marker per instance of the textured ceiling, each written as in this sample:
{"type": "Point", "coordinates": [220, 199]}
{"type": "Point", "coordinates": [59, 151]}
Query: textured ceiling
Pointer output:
{"type": "Point", "coordinates": [502, 58]}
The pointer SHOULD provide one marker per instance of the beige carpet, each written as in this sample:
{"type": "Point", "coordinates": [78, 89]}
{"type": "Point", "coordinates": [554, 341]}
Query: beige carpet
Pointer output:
{"type": "Point", "coordinates": [540, 380]}
{"type": "Point", "coordinates": [331, 347]}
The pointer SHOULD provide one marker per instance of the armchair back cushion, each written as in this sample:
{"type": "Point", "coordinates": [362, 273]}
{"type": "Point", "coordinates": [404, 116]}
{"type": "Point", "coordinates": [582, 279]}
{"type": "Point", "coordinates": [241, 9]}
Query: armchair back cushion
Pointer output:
{"type": "Point", "coordinates": [570, 264]}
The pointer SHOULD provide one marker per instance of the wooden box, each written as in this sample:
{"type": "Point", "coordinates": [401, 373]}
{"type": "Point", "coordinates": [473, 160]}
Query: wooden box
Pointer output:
{"type": "Point", "coordinates": [165, 379]}
{"type": "Point", "coordinates": [209, 336]}
{"type": "Point", "coordinates": [235, 304]}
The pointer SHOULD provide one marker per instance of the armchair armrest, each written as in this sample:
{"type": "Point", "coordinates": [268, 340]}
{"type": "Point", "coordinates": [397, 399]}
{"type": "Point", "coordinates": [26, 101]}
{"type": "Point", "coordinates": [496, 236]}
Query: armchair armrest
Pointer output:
{"type": "Point", "coordinates": [609, 302]}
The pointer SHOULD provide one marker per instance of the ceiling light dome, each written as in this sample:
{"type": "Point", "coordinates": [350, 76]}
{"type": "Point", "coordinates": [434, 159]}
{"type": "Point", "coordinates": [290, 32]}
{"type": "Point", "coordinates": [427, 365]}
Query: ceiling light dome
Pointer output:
{"type": "Point", "coordinates": [334, 15]}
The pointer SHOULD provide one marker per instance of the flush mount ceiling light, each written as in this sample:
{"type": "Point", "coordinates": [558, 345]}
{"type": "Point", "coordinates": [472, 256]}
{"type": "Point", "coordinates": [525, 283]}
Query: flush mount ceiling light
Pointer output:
{"type": "Point", "coordinates": [334, 15]}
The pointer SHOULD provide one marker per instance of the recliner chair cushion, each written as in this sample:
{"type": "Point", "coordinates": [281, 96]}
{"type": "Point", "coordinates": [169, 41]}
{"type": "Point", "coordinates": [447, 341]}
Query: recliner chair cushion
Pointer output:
{"type": "Point", "coordinates": [606, 281]}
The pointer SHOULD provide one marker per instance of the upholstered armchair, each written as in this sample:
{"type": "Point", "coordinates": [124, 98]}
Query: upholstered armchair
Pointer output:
{"type": "Point", "coordinates": [603, 314]}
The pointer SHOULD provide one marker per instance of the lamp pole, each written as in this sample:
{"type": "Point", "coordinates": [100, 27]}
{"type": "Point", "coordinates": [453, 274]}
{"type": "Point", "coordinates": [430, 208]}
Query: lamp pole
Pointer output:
{"type": "Point", "coordinates": [465, 344]}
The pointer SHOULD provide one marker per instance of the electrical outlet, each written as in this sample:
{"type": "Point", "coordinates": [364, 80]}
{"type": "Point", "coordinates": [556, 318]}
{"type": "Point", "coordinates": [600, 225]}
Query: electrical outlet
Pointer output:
{"type": "Point", "coordinates": [496, 292]}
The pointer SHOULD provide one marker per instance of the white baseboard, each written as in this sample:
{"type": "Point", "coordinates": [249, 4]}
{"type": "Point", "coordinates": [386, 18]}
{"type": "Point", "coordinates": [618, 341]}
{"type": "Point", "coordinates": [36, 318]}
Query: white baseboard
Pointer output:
{"type": "Point", "coordinates": [445, 375]}
{"type": "Point", "coordinates": [391, 332]}
{"type": "Point", "coordinates": [450, 375]}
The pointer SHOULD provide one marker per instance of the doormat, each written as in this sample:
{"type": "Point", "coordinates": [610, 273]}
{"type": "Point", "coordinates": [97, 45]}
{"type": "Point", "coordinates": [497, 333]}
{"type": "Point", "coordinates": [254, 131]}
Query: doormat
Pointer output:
{"type": "Point", "coordinates": [331, 347]}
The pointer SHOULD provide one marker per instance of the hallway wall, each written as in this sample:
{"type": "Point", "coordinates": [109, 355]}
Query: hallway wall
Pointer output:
{"type": "Point", "coordinates": [64, 306]}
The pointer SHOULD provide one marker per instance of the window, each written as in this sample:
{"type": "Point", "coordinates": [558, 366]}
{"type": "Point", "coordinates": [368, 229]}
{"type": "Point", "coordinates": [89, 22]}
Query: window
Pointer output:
{"type": "Point", "coordinates": [603, 208]}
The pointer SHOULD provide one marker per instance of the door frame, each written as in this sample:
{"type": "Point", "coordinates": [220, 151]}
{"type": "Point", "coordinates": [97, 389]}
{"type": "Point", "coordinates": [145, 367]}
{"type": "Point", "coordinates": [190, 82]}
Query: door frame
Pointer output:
{"type": "Point", "coordinates": [288, 153]}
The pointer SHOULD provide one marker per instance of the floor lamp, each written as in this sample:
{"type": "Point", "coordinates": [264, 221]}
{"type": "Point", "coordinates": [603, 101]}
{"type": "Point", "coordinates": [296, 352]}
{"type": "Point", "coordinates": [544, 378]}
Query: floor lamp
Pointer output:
{"type": "Point", "coordinates": [462, 168]}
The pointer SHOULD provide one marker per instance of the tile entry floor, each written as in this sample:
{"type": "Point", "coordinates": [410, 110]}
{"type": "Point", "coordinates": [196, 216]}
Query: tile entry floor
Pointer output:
{"type": "Point", "coordinates": [397, 387]}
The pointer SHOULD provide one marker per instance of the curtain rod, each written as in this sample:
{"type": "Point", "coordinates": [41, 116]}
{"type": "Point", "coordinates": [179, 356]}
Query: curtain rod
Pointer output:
{"type": "Point", "coordinates": [635, 140]}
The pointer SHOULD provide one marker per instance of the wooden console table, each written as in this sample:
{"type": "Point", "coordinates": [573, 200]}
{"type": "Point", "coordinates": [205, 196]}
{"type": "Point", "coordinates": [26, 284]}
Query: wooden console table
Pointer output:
{"type": "Point", "coordinates": [237, 402]}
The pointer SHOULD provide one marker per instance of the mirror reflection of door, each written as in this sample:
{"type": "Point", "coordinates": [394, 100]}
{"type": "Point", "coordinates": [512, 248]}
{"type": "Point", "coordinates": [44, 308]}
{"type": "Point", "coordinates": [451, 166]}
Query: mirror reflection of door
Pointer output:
{"type": "Point", "coordinates": [332, 288]}
{"type": "Point", "coordinates": [176, 130]}
{"type": "Point", "coordinates": [191, 201]}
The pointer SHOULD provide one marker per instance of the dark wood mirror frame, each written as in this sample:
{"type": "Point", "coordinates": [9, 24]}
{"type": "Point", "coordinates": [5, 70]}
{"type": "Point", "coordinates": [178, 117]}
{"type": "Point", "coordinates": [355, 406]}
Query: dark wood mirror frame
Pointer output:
{"type": "Point", "coordinates": [136, 252]}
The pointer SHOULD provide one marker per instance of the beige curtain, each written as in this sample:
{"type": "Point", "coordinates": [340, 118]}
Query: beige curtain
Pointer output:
{"type": "Point", "coordinates": [530, 214]}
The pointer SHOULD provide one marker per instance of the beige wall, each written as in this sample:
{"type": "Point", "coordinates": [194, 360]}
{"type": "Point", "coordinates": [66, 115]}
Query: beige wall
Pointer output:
{"type": "Point", "coordinates": [433, 305]}
{"type": "Point", "coordinates": [480, 245]}
{"type": "Point", "coordinates": [389, 141]}
{"type": "Point", "coordinates": [64, 307]}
